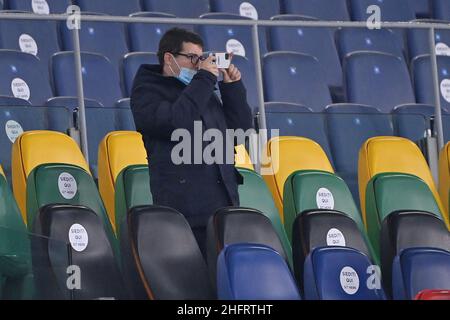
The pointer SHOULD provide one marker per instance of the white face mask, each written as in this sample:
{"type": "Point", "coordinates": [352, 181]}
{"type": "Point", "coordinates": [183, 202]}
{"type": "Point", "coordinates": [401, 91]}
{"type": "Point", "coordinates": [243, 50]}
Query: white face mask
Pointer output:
{"type": "Point", "coordinates": [185, 75]}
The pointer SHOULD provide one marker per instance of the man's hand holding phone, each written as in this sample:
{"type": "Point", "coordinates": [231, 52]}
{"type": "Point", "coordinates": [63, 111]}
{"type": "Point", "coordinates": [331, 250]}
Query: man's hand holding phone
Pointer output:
{"type": "Point", "coordinates": [232, 74]}
{"type": "Point", "coordinates": [209, 64]}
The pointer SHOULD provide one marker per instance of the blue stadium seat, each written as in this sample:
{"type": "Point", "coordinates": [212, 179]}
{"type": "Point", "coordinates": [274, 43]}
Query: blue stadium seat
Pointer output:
{"type": "Point", "coordinates": [23, 76]}
{"type": "Point", "coordinates": [339, 273]}
{"type": "Point", "coordinates": [299, 121]}
{"type": "Point", "coordinates": [106, 38]}
{"type": "Point", "coordinates": [18, 119]}
{"type": "Point", "coordinates": [377, 79]}
{"type": "Point", "coordinates": [131, 63]}
{"type": "Point", "coordinates": [317, 42]}
{"type": "Point", "coordinates": [349, 126]}
{"type": "Point", "coordinates": [335, 10]}
{"type": "Point", "coordinates": [297, 78]}
{"type": "Point", "coordinates": [419, 41]}
{"type": "Point", "coordinates": [40, 7]}
{"type": "Point", "coordinates": [39, 38]}
{"type": "Point", "coordinates": [254, 272]}
{"type": "Point", "coordinates": [179, 8]}
{"type": "Point", "coordinates": [423, 79]}
{"type": "Point", "coordinates": [421, 8]}
{"type": "Point", "coordinates": [255, 9]}
{"type": "Point", "coordinates": [237, 39]}
{"type": "Point", "coordinates": [441, 9]}
{"type": "Point", "coordinates": [416, 269]}
{"type": "Point", "coordinates": [8, 101]}
{"type": "Point", "coordinates": [124, 116]}
{"type": "Point", "coordinates": [145, 37]}
{"type": "Point", "coordinates": [112, 7]}
{"type": "Point", "coordinates": [360, 39]}
{"type": "Point", "coordinates": [248, 73]}
{"type": "Point", "coordinates": [100, 78]}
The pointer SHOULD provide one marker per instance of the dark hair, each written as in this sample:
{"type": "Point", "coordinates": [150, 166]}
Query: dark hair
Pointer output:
{"type": "Point", "coordinates": [172, 41]}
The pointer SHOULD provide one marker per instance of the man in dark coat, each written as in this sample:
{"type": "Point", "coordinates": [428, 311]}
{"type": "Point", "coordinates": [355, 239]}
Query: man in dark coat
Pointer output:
{"type": "Point", "coordinates": [179, 94]}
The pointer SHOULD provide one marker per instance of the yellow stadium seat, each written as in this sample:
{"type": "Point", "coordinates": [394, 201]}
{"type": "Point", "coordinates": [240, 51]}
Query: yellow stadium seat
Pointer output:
{"type": "Point", "coordinates": [242, 159]}
{"type": "Point", "coordinates": [286, 155]}
{"type": "Point", "coordinates": [396, 155]}
{"type": "Point", "coordinates": [34, 148]}
{"type": "Point", "coordinates": [1, 171]}
{"type": "Point", "coordinates": [117, 151]}
{"type": "Point", "coordinates": [444, 175]}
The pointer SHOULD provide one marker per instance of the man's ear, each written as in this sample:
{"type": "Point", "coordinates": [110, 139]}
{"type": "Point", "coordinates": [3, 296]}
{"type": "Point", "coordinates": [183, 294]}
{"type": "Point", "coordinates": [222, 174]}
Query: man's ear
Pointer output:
{"type": "Point", "coordinates": [167, 58]}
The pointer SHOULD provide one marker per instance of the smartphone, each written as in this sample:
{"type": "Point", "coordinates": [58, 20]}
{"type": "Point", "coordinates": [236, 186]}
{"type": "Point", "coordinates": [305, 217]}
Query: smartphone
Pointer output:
{"type": "Point", "coordinates": [223, 59]}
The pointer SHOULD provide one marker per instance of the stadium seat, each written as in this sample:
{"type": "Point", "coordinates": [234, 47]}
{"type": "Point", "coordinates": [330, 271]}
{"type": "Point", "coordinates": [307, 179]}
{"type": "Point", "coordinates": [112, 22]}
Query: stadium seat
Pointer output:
{"type": "Point", "coordinates": [377, 79]}
{"type": "Point", "coordinates": [409, 229]}
{"type": "Point", "coordinates": [90, 250]}
{"type": "Point", "coordinates": [255, 9]}
{"type": "Point", "coordinates": [433, 295]}
{"type": "Point", "coordinates": [423, 79]}
{"type": "Point", "coordinates": [416, 269]}
{"type": "Point", "coordinates": [296, 120]}
{"type": "Point", "coordinates": [395, 157]}
{"type": "Point", "coordinates": [124, 115]}
{"type": "Point", "coordinates": [239, 225]}
{"type": "Point", "coordinates": [37, 37]}
{"type": "Point", "coordinates": [351, 40]}
{"type": "Point", "coordinates": [7, 101]}
{"type": "Point", "coordinates": [339, 273]}
{"type": "Point", "coordinates": [247, 69]}
{"type": "Point", "coordinates": [120, 155]}
{"type": "Point", "coordinates": [441, 9]}
{"type": "Point", "coordinates": [24, 77]}
{"type": "Point", "coordinates": [254, 272]}
{"type": "Point", "coordinates": [413, 121]}
{"type": "Point", "coordinates": [304, 40]}
{"type": "Point", "coordinates": [145, 37]}
{"type": "Point", "coordinates": [131, 63]}
{"type": "Point", "coordinates": [444, 175]}
{"type": "Point", "coordinates": [100, 78]}
{"type": "Point", "coordinates": [18, 119]}
{"type": "Point", "coordinates": [421, 8]}
{"type": "Point", "coordinates": [160, 244]}
{"type": "Point", "coordinates": [105, 38]}
{"type": "Point", "coordinates": [39, 7]}
{"type": "Point", "coordinates": [112, 7]}
{"type": "Point", "coordinates": [335, 10]}
{"type": "Point", "coordinates": [297, 78]}
{"type": "Point", "coordinates": [349, 126]}
{"type": "Point", "coordinates": [322, 228]}
{"type": "Point", "coordinates": [179, 8]}
{"type": "Point", "coordinates": [419, 40]}
{"type": "Point", "coordinates": [286, 155]}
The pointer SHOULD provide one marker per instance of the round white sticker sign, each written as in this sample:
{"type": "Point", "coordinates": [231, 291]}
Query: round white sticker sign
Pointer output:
{"type": "Point", "coordinates": [20, 89]}
{"type": "Point", "coordinates": [246, 9]}
{"type": "Point", "coordinates": [442, 49]}
{"type": "Point", "coordinates": [349, 280]}
{"type": "Point", "coordinates": [445, 89]}
{"type": "Point", "coordinates": [78, 237]}
{"type": "Point", "coordinates": [236, 47]}
{"type": "Point", "coordinates": [40, 6]}
{"type": "Point", "coordinates": [67, 185]}
{"type": "Point", "coordinates": [27, 44]}
{"type": "Point", "coordinates": [324, 199]}
{"type": "Point", "coordinates": [13, 130]}
{"type": "Point", "coordinates": [335, 238]}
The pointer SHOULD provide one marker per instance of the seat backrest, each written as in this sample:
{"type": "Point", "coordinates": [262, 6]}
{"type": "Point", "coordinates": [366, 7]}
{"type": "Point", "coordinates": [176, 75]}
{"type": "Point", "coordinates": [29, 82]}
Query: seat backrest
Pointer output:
{"type": "Point", "coordinates": [393, 155]}
{"type": "Point", "coordinates": [416, 269]}
{"type": "Point", "coordinates": [440, 9]}
{"type": "Point", "coordinates": [160, 244]}
{"type": "Point", "coordinates": [305, 40]}
{"type": "Point", "coordinates": [23, 76]}
{"type": "Point", "coordinates": [255, 9]}
{"type": "Point", "coordinates": [292, 77]}
{"type": "Point", "coordinates": [242, 158]}
{"type": "Point", "coordinates": [247, 68]}
{"type": "Point", "coordinates": [39, 38]}
{"type": "Point", "coordinates": [444, 175]}
{"type": "Point", "coordinates": [339, 273]}
{"type": "Point", "coordinates": [100, 78]}
{"type": "Point", "coordinates": [8, 101]}
{"type": "Point", "coordinates": [112, 7]}
{"type": "Point", "coordinates": [323, 9]}
{"type": "Point", "coordinates": [254, 272]}
{"type": "Point", "coordinates": [131, 63]}
{"type": "Point", "coordinates": [360, 39]}
{"type": "Point", "coordinates": [419, 39]}
{"type": "Point", "coordinates": [179, 8]}
{"type": "Point", "coordinates": [117, 151]}
{"type": "Point", "coordinates": [39, 7]}
{"type": "Point", "coordinates": [90, 250]}
{"type": "Point", "coordinates": [145, 37]}
{"type": "Point", "coordinates": [287, 155]}
{"type": "Point", "coordinates": [377, 79]}
{"type": "Point", "coordinates": [412, 121]}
